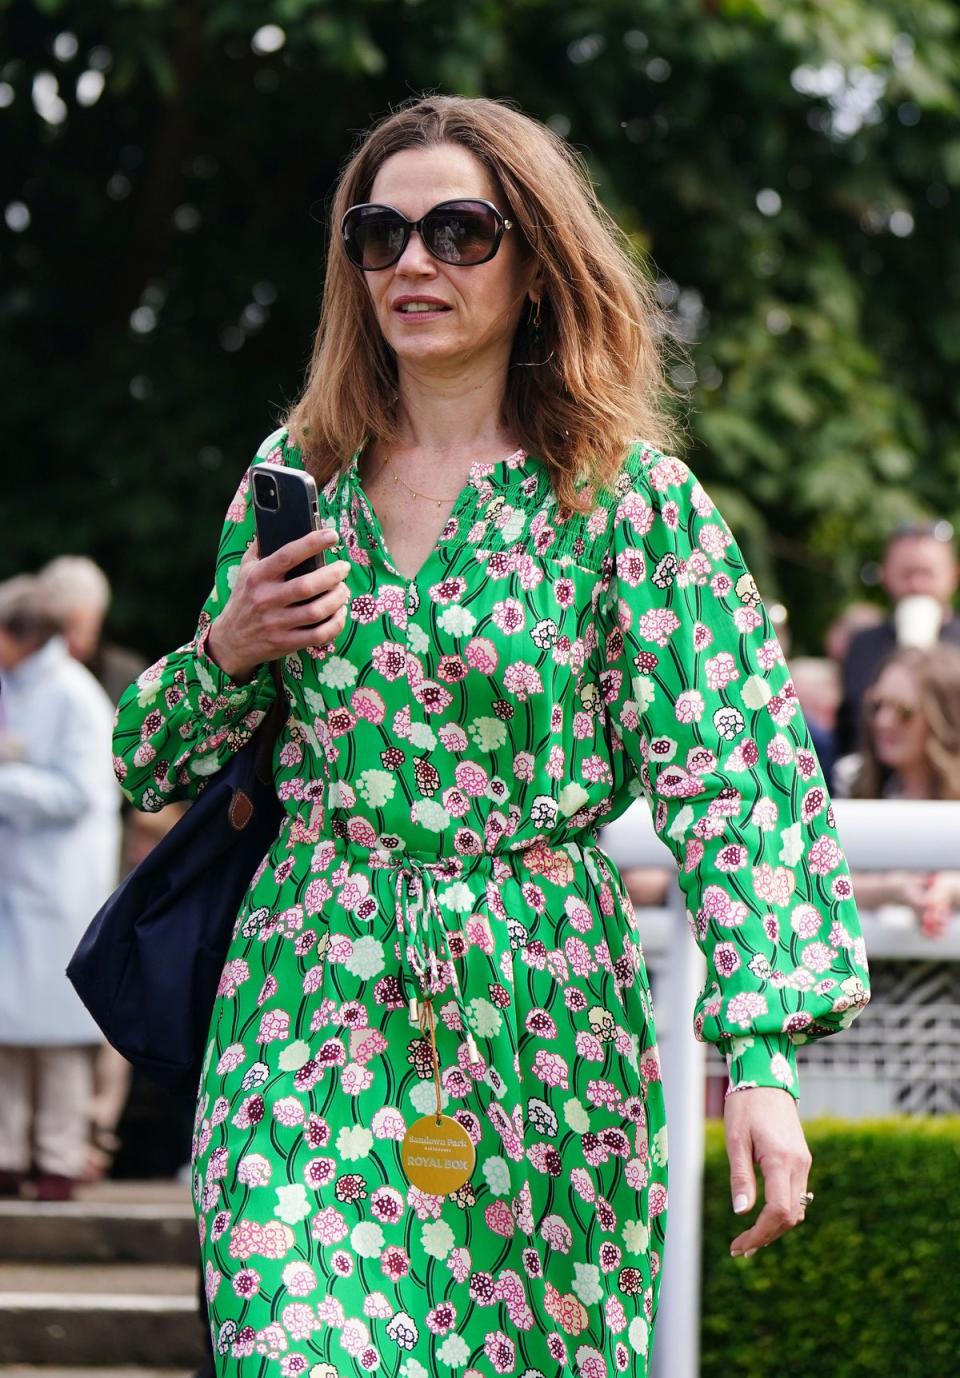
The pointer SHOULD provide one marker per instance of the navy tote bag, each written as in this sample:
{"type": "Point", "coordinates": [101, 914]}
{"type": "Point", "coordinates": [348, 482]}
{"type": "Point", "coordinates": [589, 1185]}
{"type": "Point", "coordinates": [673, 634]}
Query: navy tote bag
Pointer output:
{"type": "Point", "coordinates": [149, 964]}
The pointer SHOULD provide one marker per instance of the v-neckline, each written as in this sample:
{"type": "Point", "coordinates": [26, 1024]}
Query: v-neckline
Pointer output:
{"type": "Point", "coordinates": [479, 472]}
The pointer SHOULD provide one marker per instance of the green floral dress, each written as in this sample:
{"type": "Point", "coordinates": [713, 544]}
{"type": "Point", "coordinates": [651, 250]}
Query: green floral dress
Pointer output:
{"type": "Point", "coordinates": [445, 769]}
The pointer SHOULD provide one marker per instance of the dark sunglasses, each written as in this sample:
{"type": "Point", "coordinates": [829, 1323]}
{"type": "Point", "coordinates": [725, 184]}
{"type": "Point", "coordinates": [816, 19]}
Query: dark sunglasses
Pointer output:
{"type": "Point", "coordinates": [903, 712]}
{"type": "Point", "coordinates": [464, 233]}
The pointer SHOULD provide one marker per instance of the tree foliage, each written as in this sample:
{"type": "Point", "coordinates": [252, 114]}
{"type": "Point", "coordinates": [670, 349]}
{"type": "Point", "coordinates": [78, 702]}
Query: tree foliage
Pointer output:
{"type": "Point", "coordinates": [790, 169]}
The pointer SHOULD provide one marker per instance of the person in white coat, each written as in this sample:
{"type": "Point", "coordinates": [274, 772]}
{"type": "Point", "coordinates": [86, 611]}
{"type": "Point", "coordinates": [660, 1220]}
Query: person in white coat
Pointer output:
{"type": "Point", "coordinates": [59, 841]}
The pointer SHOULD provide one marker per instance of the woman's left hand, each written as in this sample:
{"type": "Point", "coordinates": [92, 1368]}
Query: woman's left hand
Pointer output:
{"type": "Point", "coordinates": [762, 1126]}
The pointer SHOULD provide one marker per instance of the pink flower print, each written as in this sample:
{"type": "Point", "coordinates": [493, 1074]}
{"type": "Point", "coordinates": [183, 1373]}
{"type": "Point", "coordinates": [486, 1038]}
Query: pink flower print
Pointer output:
{"type": "Point", "coordinates": [211, 1282]}
{"type": "Point", "coordinates": [693, 855]}
{"type": "Point", "coordinates": [770, 654]}
{"type": "Point", "coordinates": [319, 1172]}
{"type": "Point", "coordinates": [557, 1233]}
{"type": "Point", "coordinates": [501, 1352]}
{"type": "Point", "coordinates": [432, 697]}
{"type": "Point", "coordinates": [274, 1026]}
{"type": "Point", "coordinates": [376, 1306]}
{"type": "Point", "coordinates": [271, 1341]}
{"type": "Point", "coordinates": [568, 1312]}
{"type": "Point", "coordinates": [459, 1264]}
{"type": "Point", "coordinates": [481, 654]}
{"type": "Point", "coordinates": [701, 761]}
{"type": "Point", "coordinates": [668, 472]}
{"type": "Point", "coordinates": [551, 1069]}
{"type": "Point", "coordinates": [251, 1112]}
{"type": "Point", "coordinates": [390, 661]}
{"type": "Point", "coordinates": [452, 737]}
{"type": "Point", "coordinates": [328, 1226]}
{"type": "Point", "coordinates": [246, 1239]}
{"type": "Point", "coordinates": [721, 670]}
{"type": "Point", "coordinates": [589, 1047]}
{"type": "Point", "coordinates": [283, 871]}
{"type": "Point", "coordinates": [771, 926]}
{"type": "Point", "coordinates": [726, 959]}
{"type": "Point", "coordinates": [773, 884]}
{"type": "Point", "coordinates": [317, 896]}
{"type": "Point", "coordinates": [292, 1365]}
{"type": "Point", "coordinates": [298, 1320]}
{"type": "Point", "coordinates": [733, 857]}
{"type": "Point", "coordinates": [386, 1204]}
{"type": "Point", "coordinates": [689, 706]}
{"type": "Point", "coordinates": [721, 909]}
{"type": "Point", "coordinates": [388, 1123]}
{"type": "Point", "coordinates": [824, 856]}
{"type": "Point", "coordinates": [218, 1164]}
{"type": "Point", "coordinates": [635, 510]}
{"type": "Point", "coordinates": [368, 705]}
{"type": "Point", "coordinates": [637, 1173]}
{"type": "Point", "coordinates": [269, 987]}
{"type": "Point", "coordinates": [747, 620]}
{"type": "Point", "coordinates": [521, 680]}
{"type": "Point", "coordinates": [631, 567]}
{"type": "Point", "coordinates": [231, 1058]}
{"type": "Point", "coordinates": [600, 1092]}
{"type": "Point", "coordinates": [330, 1312]}
{"type": "Point", "coordinates": [246, 1283]}
{"type": "Point", "coordinates": [299, 1279]}
{"type": "Point", "coordinates": [394, 1263]}
{"type": "Point", "coordinates": [744, 1008]}
{"type": "Point", "coordinates": [288, 1111]}
{"type": "Point", "coordinates": [818, 957]}
{"type": "Point", "coordinates": [441, 1319]}
{"type": "Point", "coordinates": [658, 625]}
{"type": "Point", "coordinates": [609, 1256]}
{"type": "Point", "coordinates": [657, 1199]}
{"type": "Point", "coordinates": [471, 778]}
{"type": "Point", "coordinates": [809, 766]}
{"type": "Point", "coordinates": [498, 1219]}
{"type": "Point", "coordinates": [779, 751]}
{"type": "Point", "coordinates": [234, 973]}
{"type": "Point", "coordinates": [276, 1239]}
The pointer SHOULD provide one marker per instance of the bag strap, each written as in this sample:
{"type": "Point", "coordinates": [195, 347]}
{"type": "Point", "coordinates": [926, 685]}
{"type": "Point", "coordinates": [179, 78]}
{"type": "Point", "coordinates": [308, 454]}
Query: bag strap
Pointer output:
{"type": "Point", "coordinates": [268, 732]}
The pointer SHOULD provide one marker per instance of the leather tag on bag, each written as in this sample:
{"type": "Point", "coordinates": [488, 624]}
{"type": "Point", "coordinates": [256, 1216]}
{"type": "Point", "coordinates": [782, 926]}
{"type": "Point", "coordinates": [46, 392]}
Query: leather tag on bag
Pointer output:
{"type": "Point", "coordinates": [437, 1154]}
{"type": "Point", "coordinates": [240, 811]}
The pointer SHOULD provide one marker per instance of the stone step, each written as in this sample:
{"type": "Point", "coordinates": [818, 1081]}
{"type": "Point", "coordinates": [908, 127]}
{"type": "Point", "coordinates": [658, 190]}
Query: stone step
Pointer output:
{"type": "Point", "coordinates": [83, 1314]}
{"type": "Point", "coordinates": [31, 1371]}
{"type": "Point", "coordinates": [114, 1222]}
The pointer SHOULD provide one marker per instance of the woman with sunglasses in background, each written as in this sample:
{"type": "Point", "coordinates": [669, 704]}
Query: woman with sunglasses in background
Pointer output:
{"type": "Point", "coordinates": [430, 1135]}
{"type": "Point", "coordinates": [910, 749]}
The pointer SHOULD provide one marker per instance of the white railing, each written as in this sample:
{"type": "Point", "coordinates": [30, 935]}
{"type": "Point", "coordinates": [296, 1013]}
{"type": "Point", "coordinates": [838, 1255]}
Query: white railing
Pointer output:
{"type": "Point", "coordinates": [877, 835]}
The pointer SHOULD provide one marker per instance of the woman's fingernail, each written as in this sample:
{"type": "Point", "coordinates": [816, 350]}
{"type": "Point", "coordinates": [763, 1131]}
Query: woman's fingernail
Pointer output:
{"type": "Point", "coordinates": [739, 1204]}
{"type": "Point", "coordinates": [750, 1253]}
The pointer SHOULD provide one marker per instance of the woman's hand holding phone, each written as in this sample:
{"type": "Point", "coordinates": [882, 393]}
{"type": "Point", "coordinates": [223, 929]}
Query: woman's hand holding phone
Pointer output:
{"type": "Point", "coordinates": [269, 615]}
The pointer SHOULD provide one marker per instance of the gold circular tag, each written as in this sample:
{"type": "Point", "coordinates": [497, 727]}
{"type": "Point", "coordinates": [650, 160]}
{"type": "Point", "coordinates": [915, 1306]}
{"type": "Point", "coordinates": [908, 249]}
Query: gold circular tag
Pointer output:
{"type": "Point", "coordinates": [437, 1154]}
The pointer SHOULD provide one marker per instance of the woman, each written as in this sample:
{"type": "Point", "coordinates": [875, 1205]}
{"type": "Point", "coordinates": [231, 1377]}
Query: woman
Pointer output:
{"type": "Point", "coordinates": [59, 849]}
{"type": "Point", "coordinates": [544, 623]}
{"type": "Point", "coordinates": [910, 749]}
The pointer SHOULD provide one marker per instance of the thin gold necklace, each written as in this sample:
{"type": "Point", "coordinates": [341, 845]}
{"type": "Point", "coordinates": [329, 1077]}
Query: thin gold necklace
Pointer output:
{"type": "Point", "coordinates": [415, 491]}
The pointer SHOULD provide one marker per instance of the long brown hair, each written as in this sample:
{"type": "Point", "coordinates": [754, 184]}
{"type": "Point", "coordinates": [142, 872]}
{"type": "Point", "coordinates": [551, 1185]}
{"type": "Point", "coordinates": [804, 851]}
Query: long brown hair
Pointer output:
{"type": "Point", "coordinates": [576, 396]}
{"type": "Point", "coordinates": [937, 675]}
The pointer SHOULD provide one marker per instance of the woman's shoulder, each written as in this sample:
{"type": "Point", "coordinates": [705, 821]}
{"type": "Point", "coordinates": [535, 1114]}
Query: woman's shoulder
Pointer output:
{"type": "Point", "coordinates": [279, 448]}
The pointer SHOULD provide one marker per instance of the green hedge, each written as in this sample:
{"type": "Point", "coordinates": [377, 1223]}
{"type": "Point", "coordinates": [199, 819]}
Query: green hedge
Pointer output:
{"type": "Point", "coordinates": [869, 1286]}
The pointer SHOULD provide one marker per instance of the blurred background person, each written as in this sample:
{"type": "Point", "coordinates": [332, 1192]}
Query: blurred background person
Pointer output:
{"type": "Point", "coordinates": [910, 749]}
{"type": "Point", "coordinates": [920, 575]}
{"type": "Point", "coordinates": [817, 682]}
{"type": "Point", "coordinates": [59, 845]}
{"type": "Point", "coordinates": [78, 594]}
{"type": "Point", "coordinates": [852, 618]}
{"type": "Point", "coordinates": [77, 591]}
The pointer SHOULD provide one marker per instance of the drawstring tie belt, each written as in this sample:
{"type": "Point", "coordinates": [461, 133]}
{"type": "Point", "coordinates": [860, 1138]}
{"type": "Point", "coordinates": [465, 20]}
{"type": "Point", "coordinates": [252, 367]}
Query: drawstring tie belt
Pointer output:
{"type": "Point", "coordinates": [425, 943]}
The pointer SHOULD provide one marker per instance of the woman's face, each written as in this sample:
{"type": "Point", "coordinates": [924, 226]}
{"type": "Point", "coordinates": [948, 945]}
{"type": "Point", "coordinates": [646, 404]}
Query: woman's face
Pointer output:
{"type": "Point", "coordinates": [476, 308]}
{"type": "Point", "coordinates": [897, 723]}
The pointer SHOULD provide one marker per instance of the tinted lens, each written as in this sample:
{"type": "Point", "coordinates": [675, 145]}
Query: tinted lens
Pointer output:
{"type": "Point", "coordinates": [374, 236]}
{"type": "Point", "coordinates": [463, 232]}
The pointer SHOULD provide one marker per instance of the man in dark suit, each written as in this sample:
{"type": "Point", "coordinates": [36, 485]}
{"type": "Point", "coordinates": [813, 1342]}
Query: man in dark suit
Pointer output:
{"type": "Point", "coordinates": [917, 560]}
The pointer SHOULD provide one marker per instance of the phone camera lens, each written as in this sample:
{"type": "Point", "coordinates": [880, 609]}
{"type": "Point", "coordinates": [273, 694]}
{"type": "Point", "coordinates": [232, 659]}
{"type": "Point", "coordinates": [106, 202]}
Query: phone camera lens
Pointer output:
{"type": "Point", "coordinates": [265, 492]}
